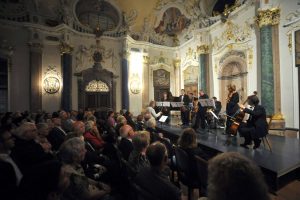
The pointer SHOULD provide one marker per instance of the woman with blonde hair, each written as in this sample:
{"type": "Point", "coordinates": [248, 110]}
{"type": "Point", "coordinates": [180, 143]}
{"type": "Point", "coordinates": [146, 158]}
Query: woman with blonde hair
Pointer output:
{"type": "Point", "coordinates": [232, 104]}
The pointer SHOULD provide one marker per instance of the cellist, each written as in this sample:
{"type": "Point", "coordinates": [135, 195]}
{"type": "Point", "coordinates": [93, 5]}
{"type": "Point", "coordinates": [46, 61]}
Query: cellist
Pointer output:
{"type": "Point", "coordinates": [232, 104]}
{"type": "Point", "coordinates": [256, 126]}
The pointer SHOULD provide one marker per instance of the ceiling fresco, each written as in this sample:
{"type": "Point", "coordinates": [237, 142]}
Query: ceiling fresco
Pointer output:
{"type": "Point", "coordinates": [165, 22]}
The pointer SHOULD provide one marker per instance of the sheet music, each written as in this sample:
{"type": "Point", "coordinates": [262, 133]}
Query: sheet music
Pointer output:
{"type": "Point", "coordinates": [163, 118]}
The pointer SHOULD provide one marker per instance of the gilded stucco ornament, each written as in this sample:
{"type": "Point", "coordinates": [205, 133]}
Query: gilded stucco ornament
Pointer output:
{"type": "Point", "coordinates": [203, 49]}
{"type": "Point", "coordinates": [65, 48]}
{"type": "Point", "coordinates": [268, 17]}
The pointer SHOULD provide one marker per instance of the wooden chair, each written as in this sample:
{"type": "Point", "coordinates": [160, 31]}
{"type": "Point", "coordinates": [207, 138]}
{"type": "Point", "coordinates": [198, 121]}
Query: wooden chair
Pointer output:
{"type": "Point", "coordinates": [265, 139]}
{"type": "Point", "coordinates": [182, 166]}
{"type": "Point", "coordinates": [202, 173]}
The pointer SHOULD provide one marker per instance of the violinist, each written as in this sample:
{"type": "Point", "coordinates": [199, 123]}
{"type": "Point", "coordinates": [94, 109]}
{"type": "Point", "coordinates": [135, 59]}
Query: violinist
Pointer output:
{"type": "Point", "coordinates": [232, 104]}
{"type": "Point", "coordinates": [167, 97]}
{"type": "Point", "coordinates": [201, 112]}
{"type": "Point", "coordinates": [256, 126]}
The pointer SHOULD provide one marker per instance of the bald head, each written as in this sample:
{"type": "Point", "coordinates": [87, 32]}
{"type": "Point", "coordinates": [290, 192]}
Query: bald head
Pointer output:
{"type": "Point", "coordinates": [126, 131]}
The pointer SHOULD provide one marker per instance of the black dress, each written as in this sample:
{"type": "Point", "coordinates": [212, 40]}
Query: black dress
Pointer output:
{"type": "Point", "coordinates": [231, 108]}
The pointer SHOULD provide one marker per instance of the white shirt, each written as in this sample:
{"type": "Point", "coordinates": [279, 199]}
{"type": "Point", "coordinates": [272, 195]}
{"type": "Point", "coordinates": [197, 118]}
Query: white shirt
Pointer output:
{"type": "Point", "coordinates": [6, 158]}
{"type": "Point", "coordinates": [152, 111]}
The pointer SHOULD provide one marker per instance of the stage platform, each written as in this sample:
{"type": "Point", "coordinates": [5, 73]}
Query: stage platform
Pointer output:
{"type": "Point", "coordinates": [280, 166]}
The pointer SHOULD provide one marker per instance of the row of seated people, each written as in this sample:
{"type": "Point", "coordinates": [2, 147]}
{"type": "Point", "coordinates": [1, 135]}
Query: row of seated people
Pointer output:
{"type": "Point", "coordinates": [88, 156]}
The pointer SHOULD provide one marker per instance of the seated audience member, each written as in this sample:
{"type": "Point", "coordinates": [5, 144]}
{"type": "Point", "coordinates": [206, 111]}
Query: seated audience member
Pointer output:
{"type": "Point", "coordinates": [56, 135]}
{"type": "Point", "coordinates": [188, 142]}
{"type": "Point", "coordinates": [121, 121]}
{"type": "Point", "coordinates": [110, 119]}
{"type": "Point", "coordinates": [128, 115]}
{"type": "Point", "coordinates": [232, 176]}
{"type": "Point", "coordinates": [66, 122]}
{"type": "Point", "coordinates": [27, 152]}
{"type": "Point", "coordinates": [153, 179]}
{"type": "Point", "coordinates": [92, 135]}
{"type": "Point", "coordinates": [9, 172]}
{"type": "Point", "coordinates": [72, 153]}
{"type": "Point", "coordinates": [151, 128]}
{"type": "Point", "coordinates": [151, 110]}
{"type": "Point", "coordinates": [137, 159]}
{"type": "Point", "coordinates": [125, 146]}
{"type": "Point", "coordinates": [43, 132]}
{"type": "Point", "coordinates": [140, 126]}
{"type": "Point", "coordinates": [46, 181]}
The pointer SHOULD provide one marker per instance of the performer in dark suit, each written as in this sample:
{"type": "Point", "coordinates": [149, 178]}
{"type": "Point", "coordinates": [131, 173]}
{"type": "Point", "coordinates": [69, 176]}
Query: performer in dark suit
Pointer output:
{"type": "Point", "coordinates": [218, 106]}
{"type": "Point", "coordinates": [232, 104]}
{"type": "Point", "coordinates": [256, 126]}
{"type": "Point", "coordinates": [201, 111]}
{"type": "Point", "coordinates": [185, 112]}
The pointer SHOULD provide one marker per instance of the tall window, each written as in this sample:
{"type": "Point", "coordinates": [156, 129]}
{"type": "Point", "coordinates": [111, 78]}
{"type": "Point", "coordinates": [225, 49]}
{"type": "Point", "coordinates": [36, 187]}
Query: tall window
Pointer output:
{"type": "Point", "coordinates": [3, 85]}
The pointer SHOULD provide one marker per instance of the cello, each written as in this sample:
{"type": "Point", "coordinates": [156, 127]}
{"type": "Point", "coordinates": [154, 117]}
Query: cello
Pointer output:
{"type": "Point", "coordinates": [236, 119]}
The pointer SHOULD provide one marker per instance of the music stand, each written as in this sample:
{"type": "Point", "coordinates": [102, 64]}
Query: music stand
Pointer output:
{"type": "Point", "coordinates": [162, 120]}
{"type": "Point", "coordinates": [208, 103]}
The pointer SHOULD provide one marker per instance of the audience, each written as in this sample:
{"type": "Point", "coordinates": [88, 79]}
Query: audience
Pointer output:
{"type": "Point", "coordinates": [72, 153]}
{"type": "Point", "coordinates": [70, 156]}
{"type": "Point", "coordinates": [125, 146]}
{"type": "Point", "coordinates": [9, 171]}
{"type": "Point", "coordinates": [92, 135]}
{"type": "Point", "coordinates": [153, 179]}
{"type": "Point", "coordinates": [43, 131]}
{"type": "Point", "coordinates": [56, 135]}
{"type": "Point", "coordinates": [137, 159]}
{"type": "Point", "coordinates": [231, 176]}
{"type": "Point", "coordinates": [46, 181]}
{"type": "Point", "coordinates": [27, 152]}
{"type": "Point", "coordinates": [110, 119]}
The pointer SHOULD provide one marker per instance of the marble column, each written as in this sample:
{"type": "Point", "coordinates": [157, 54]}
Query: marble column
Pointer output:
{"type": "Point", "coordinates": [35, 62]}
{"type": "Point", "coordinates": [176, 63]}
{"type": "Point", "coordinates": [203, 67]}
{"type": "Point", "coordinates": [66, 65]}
{"type": "Point", "coordinates": [146, 75]}
{"type": "Point", "coordinates": [125, 90]}
{"type": "Point", "coordinates": [267, 19]}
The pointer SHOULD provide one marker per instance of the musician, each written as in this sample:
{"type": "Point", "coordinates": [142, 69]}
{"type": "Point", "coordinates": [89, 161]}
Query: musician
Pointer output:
{"type": "Point", "coordinates": [218, 106]}
{"type": "Point", "coordinates": [151, 110]}
{"type": "Point", "coordinates": [232, 104]}
{"type": "Point", "coordinates": [256, 126]}
{"type": "Point", "coordinates": [185, 112]}
{"type": "Point", "coordinates": [167, 97]}
{"type": "Point", "coordinates": [201, 112]}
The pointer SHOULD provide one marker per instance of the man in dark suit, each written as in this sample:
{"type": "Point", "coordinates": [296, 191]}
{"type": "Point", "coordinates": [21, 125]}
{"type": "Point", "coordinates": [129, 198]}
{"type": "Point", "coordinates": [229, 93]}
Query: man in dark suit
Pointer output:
{"type": "Point", "coordinates": [27, 152]}
{"type": "Point", "coordinates": [153, 179]}
{"type": "Point", "coordinates": [201, 112]}
{"type": "Point", "coordinates": [185, 108]}
{"type": "Point", "coordinates": [126, 146]}
{"type": "Point", "coordinates": [57, 135]}
{"type": "Point", "coordinates": [256, 126]}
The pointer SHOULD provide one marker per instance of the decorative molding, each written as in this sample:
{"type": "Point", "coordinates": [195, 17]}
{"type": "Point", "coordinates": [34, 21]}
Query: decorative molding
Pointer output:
{"type": "Point", "coordinates": [65, 48]}
{"type": "Point", "coordinates": [146, 59]}
{"type": "Point", "coordinates": [203, 49]}
{"type": "Point", "coordinates": [176, 63]}
{"type": "Point", "coordinates": [96, 86]}
{"type": "Point", "coordinates": [233, 33]}
{"type": "Point", "coordinates": [35, 46]}
{"type": "Point", "coordinates": [268, 17]}
{"type": "Point", "coordinates": [6, 48]}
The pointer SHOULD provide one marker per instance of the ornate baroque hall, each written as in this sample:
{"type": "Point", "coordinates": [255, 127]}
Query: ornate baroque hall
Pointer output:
{"type": "Point", "coordinates": [134, 78]}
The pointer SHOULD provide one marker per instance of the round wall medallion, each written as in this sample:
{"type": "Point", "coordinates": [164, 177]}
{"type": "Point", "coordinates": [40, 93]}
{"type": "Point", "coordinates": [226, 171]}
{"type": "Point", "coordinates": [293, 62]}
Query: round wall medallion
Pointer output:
{"type": "Point", "coordinates": [51, 85]}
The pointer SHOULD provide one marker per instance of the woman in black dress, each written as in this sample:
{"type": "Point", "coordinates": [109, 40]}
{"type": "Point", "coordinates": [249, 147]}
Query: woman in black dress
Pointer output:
{"type": "Point", "coordinates": [232, 104]}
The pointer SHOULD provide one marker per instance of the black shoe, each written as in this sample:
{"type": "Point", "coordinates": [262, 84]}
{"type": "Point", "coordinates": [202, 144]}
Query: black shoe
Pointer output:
{"type": "Point", "coordinates": [256, 144]}
{"type": "Point", "coordinates": [244, 145]}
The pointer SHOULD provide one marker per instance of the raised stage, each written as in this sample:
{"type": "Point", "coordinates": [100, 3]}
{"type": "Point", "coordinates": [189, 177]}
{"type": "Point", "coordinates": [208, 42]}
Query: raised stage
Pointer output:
{"type": "Point", "coordinates": [280, 166]}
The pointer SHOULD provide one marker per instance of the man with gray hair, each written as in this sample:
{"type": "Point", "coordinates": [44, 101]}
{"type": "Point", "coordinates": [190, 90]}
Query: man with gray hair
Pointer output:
{"type": "Point", "coordinates": [27, 152]}
{"type": "Point", "coordinates": [125, 146]}
{"type": "Point", "coordinates": [72, 153]}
